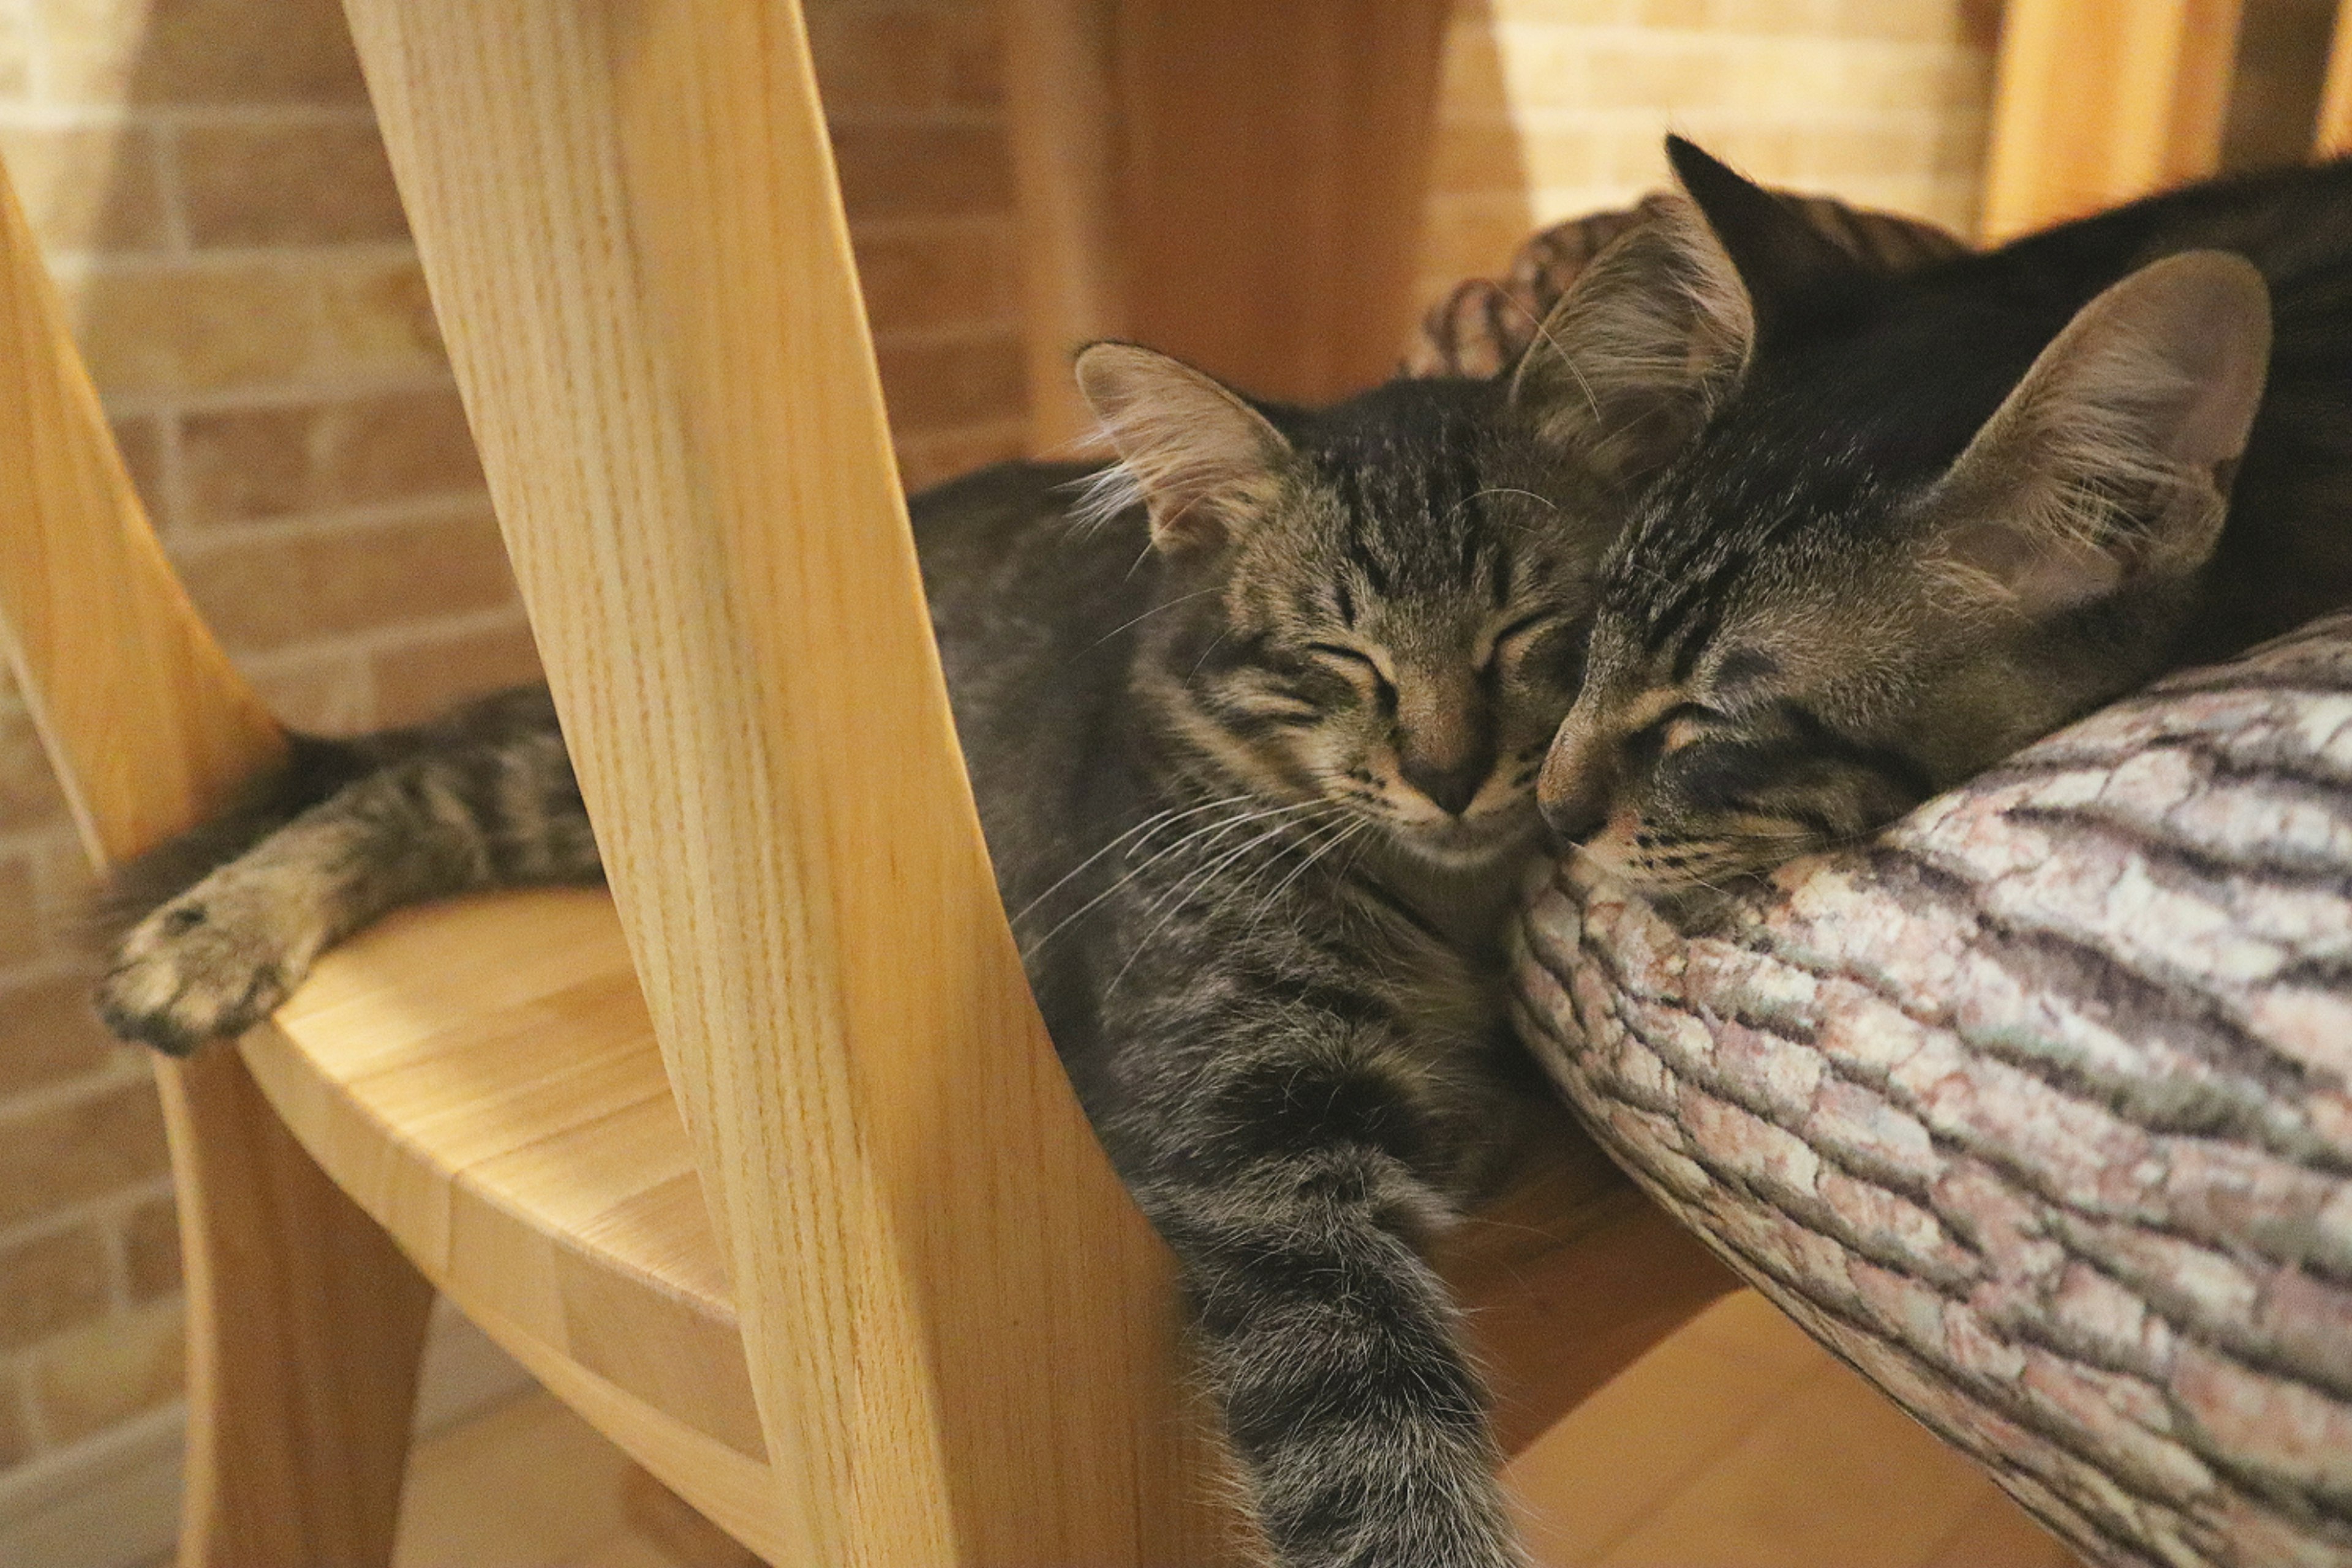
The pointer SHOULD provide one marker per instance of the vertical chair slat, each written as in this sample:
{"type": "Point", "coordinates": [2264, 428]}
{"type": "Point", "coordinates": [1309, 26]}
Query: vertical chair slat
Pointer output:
{"type": "Point", "coordinates": [149, 726]}
{"type": "Point", "coordinates": [2098, 101]}
{"type": "Point", "coordinates": [957, 1323]}
{"type": "Point", "coordinates": [304, 1321]}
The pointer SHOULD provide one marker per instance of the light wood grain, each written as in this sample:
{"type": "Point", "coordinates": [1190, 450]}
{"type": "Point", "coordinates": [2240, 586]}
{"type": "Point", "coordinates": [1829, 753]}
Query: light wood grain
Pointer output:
{"type": "Point", "coordinates": [2333, 135]}
{"type": "Point", "coordinates": [2097, 101]}
{"type": "Point", "coordinates": [304, 1323]}
{"type": "Point", "coordinates": [305, 1330]}
{"type": "Point", "coordinates": [961, 1344]}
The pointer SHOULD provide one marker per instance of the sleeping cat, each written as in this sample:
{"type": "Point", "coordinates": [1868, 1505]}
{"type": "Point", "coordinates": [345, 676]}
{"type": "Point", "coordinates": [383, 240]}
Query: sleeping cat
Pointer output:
{"type": "Point", "coordinates": [1927, 519]}
{"type": "Point", "coordinates": [1253, 729]}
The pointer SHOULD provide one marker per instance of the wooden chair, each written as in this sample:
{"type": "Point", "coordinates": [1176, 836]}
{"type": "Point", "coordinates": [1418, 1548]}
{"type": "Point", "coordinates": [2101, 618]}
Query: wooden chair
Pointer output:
{"type": "Point", "coordinates": [760, 1161]}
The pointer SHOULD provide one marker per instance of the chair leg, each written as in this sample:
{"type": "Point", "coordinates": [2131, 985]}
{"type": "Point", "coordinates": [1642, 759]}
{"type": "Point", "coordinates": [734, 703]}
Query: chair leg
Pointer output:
{"type": "Point", "coordinates": [305, 1328]}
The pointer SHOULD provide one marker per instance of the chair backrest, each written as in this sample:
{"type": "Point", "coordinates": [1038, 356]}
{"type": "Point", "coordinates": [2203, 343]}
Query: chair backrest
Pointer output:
{"type": "Point", "coordinates": [629, 220]}
{"type": "Point", "coordinates": [150, 727]}
{"type": "Point", "coordinates": [2098, 101]}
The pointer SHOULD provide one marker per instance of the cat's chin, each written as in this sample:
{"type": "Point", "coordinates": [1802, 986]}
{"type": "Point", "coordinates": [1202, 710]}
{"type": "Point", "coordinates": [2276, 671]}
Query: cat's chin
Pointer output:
{"type": "Point", "coordinates": [1458, 847]}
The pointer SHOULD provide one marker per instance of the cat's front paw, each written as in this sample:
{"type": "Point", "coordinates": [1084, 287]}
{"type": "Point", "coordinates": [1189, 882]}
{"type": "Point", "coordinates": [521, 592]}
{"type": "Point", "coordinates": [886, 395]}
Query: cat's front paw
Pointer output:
{"type": "Point", "coordinates": [210, 963]}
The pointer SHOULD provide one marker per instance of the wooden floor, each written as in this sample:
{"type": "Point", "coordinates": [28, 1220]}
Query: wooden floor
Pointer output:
{"type": "Point", "coordinates": [1738, 1444]}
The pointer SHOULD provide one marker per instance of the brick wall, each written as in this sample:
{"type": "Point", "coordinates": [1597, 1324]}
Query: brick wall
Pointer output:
{"type": "Point", "coordinates": [207, 181]}
{"type": "Point", "coordinates": [1555, 108]}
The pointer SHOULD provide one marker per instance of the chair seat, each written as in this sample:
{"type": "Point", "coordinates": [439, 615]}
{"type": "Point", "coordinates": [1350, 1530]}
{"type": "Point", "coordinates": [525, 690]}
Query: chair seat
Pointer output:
{"type": "Point", "coordinates": [481, 1076]}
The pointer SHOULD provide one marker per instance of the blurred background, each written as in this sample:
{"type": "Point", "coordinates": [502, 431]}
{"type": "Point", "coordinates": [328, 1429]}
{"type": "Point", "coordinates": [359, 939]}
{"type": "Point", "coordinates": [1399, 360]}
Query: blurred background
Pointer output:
{"type": "Point", "coordinates": [207, 181]}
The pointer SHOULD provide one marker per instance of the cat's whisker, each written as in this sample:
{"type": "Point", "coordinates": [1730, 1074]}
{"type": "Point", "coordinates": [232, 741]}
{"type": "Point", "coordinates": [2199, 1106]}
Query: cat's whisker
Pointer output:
{"type": "Point", "coordinates": [1185, 887]}
{"type": "Point", "coordinates": [1149, 827]}
{"type": "Point", "coordinates": [1349, 830]}
{"type": "Point", "coordinates": [1139, 620]}
{"type": "Point", "coordinates": [1210, 833]}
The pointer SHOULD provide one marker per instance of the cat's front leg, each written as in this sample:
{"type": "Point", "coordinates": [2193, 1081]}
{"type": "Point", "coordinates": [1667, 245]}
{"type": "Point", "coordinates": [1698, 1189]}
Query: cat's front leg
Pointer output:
{"type": "Point", "coordinates": [218, 958]}
{"type": "Point", "coordinates": [1295, 1169]}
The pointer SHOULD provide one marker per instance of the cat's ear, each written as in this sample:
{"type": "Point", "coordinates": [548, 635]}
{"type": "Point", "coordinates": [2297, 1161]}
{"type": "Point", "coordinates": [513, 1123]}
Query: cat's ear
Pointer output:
{"type": "Point", "coordinates": [1644, 343]}
{"type": "Point", "coordinates": [2112, 459]}
{"type": "Point", "coordinates": [1778, 254]}
{"type": "Point", "coordinates": [1201, 459]}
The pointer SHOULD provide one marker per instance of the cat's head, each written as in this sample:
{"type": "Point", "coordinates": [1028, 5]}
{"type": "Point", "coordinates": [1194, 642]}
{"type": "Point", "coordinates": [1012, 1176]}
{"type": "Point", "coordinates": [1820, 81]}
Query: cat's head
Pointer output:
{"type": "Point", "coordinates": [1923, 528]}
{"type": "Point", "coordinates": [1378, 608]}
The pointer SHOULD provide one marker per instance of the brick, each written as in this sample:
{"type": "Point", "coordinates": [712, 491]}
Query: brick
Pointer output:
{"type": "Point", "coordinates": [15, 1443]}
{"type": "Point", "coordinates": [1477, 156]}
{"type": "Point", "coordinates": [66, 1153]}
{"type": "Point", "coordinates": [324, 691]}
{"type": "Point", "coordinates": [1475, 237]}
{"type": "Point", "coordinates": [247, 463]}
{"type": "Point", "coordinates": [931, 386]}
{"type": "Point", "coordinates": [151, 1249]}
{"type": "Point", "coordinates": [86, 189]}
{"type": "Point", "coordinates": [879, 59]}
{"type": "Point", "coordinates": [953, 276]}
{"type": "Point", "coordinates": [396, 446]}
{"type": "Point", "coordinates": [288, 184]}
{"type": "Point", "coordinates": [200, 52]}
{"type": "Point", "coordinates": [16, 36]}
{"type": "Point", "coordinates": [173, 328]}
{"type": "Point", "coordinates": [1470, 75]}
{"type": "Point", "coordinates": [254, 463]}
{"type": "Point", "coordinates": [922, 171]}
{"type": "Point", "coordinates": [418, 679]}
{"type": "Point", "coordinates": [21, 938]}
{"type": "Point", "coordinates": [140, 442]}
{"type": "Point", "coordinates": [379, 321]}
{"type": "Point", "coordinates": [265, 592]}
{"type": "Point", "coordinates": [972, 49]}
{"type": "Point", "coordinates": [49, 1032]}
{"type": "Point", "coordinates": [28, 790]}
{"type": "Point", "coordinates": [107, 1372]}
{"type": "Point", "coordinates": [53, 1283]}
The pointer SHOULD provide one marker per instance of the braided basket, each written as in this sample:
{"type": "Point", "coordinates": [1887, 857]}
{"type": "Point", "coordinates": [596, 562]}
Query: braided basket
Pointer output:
{"type": "Point", "coordinates": [2036, 1109]}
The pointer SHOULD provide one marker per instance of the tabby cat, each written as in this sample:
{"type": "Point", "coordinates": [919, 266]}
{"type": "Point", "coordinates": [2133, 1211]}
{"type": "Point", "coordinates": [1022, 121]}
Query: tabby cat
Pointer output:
{"type": "Point", "coordinates": [1254, 726]}
{"type": "Point", "coordinates": [1929, 517]}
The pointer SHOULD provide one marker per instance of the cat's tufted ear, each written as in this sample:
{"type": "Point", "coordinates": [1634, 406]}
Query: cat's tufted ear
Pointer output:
{"type": "Point", "coordinates": [1644, 343]}
{"type": "Point", "coordinates": [1782, 258]}
{"type": "Point", "coordinates": [1201, 459]}
{"type": "Point", "coordinates": [2112, 460]}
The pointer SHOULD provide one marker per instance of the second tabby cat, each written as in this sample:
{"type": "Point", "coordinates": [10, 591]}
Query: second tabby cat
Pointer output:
{"type": "Point", "coordinates": [1930, 518]}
